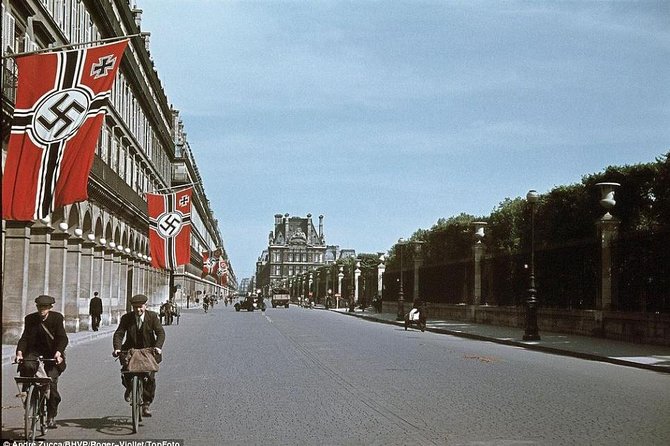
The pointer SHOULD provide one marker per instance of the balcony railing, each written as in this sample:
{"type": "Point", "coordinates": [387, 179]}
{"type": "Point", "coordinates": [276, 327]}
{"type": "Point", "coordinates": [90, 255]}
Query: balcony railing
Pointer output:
{"type": "Point", "coordinates": [180, 173]}
{"type": "Point", "coordinates": [102, 173]}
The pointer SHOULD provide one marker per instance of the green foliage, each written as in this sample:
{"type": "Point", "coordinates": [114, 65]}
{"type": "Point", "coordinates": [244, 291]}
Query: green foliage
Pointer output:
{"type": "Point", "coordinates": [564, 214]}
{"type": "Point", "coordinates": [504, 226]}
{"type": "Point", "coordinates": [368, 261]}
{"type": "Point", "coordinates": [449, 240]}
{"type": "Point", "coordinates": [660, 191]}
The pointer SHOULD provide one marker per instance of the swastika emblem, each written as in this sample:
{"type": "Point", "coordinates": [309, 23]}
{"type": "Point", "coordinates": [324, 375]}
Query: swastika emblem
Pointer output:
{"type": "Point", "coordinates": [59, 114]}
{"type": "Point", "coordinates": [103, 67]}
{"type": "Point", "coordinates": [169, 224]}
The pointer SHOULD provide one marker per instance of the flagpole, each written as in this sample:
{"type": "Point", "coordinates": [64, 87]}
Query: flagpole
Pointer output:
{"type": "Point", "coordinates": [178, 188]}
{"type": "Point", "coordinates": [171, 285]}
{"type": "Point", "coordinates": [60, 47]}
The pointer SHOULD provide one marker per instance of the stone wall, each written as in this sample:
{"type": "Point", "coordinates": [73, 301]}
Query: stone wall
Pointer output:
{"type": "Point", "coordinates": [645, 328]}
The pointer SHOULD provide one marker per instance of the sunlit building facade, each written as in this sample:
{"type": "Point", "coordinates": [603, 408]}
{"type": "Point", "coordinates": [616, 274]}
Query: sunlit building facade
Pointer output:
{"type": "Point", "coordinates": [294, 247]}
{"type": "Point", "coordinates": [102, 244]}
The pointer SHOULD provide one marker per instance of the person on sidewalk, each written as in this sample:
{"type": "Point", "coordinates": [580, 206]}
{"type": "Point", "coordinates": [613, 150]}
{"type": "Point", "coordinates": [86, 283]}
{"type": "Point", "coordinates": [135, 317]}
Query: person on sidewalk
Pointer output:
{"type": "Point", "coordinates": [142, 329]}
{"type": "Point", "coordinates": [95, 310]}
{"type": "Point", "coordinates": [44, 335]}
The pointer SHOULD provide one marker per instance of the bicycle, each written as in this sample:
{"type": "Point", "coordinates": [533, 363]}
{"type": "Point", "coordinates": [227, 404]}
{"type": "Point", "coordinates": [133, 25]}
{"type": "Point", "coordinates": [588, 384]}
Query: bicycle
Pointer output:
{"type": "Point", "coordinates": [136, 382]}
{"type": "Point", "coordinates": [35, 403]}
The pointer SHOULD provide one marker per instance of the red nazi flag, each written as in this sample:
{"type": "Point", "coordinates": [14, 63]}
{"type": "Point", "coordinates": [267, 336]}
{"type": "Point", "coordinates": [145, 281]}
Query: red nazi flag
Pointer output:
{"type": "Point", "coordinates": [223, 271]}
{"type": "Point", "coordinates": [208, 263]}
{"type": "Point", "coordinates": [170, 228]}
{"type": "Point", "coordinates": [60, 107]}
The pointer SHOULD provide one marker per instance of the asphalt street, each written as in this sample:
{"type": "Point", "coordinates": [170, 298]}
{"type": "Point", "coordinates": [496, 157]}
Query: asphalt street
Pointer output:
{"type": "Point", "coordinates": [307, 377]}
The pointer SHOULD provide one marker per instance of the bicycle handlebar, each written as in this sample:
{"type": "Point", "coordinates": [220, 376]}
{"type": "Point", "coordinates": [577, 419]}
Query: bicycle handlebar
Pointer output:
{"type": "Point", "coordinates": [39, 359]}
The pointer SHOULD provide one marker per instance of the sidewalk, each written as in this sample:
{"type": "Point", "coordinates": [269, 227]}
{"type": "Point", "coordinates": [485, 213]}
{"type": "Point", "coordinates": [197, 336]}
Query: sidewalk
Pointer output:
{"type": "Point", "coordinates": [651, 357]}
{"type": "Point", "coordinates": [8, 350]}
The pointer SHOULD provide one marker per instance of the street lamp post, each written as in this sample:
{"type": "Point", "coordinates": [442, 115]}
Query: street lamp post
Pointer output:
{"type": "Point", "coordinates": [401, 297]}
{"type": "Point", "coordinates": [532, 332]}
{"type": "Point", "coordinates": [352, 304]}
{"type": "Point", "coordinates": [340, 276]}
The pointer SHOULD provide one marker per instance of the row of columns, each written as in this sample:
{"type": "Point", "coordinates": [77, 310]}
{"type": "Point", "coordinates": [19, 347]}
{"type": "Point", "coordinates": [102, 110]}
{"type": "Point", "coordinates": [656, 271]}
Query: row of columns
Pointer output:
{"type": "Point", "coordinates": [40, 259]}
{"type": "Point", "coordinates": [301, 285]}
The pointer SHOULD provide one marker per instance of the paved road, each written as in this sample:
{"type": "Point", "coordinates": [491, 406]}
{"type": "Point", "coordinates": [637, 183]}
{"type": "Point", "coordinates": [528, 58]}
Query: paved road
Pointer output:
{"type": "Point", "coordinates": [306, 377]}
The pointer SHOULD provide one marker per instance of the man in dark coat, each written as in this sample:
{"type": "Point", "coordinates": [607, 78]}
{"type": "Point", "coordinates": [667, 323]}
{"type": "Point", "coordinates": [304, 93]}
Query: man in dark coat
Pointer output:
{"type": "Point", "coordinates": [95, 310]}
{"type": "Point", "coordinates": [44, 335]}
{"type": "Point", "coordinates": [142, 329]}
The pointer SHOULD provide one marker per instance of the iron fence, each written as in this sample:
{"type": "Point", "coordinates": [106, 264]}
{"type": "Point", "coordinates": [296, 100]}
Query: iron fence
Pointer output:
{"type": "Point", "coordinates": [566, 276]}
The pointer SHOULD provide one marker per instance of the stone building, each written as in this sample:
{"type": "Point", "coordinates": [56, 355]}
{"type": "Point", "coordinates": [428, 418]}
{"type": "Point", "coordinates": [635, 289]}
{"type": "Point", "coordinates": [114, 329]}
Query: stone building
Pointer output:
{"type": "Point", "coordinates": [294, 247]}
{"type": "Point", "coordinates": [102, 244]}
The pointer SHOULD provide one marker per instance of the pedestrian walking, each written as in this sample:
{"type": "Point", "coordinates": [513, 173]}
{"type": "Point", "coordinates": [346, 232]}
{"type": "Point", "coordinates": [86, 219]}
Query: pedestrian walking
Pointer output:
{"type": "Point", "coordinates": [44, 336]}
{"type": "Point", "coordinates": [95, 310]}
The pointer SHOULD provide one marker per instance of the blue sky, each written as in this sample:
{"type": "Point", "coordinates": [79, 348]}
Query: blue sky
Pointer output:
{"type": "Point", "coordinates": [385, 116]}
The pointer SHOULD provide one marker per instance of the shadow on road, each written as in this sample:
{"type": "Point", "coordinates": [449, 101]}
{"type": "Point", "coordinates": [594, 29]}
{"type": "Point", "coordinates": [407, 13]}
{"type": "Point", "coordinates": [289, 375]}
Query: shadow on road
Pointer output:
{"type": "Point", "coordinates": [114, 425]}
{"type": "Point", "coordinates": [111, 426]}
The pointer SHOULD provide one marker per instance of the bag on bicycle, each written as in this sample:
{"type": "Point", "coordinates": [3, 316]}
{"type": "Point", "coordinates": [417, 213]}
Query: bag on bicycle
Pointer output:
{"type": "Point", "coordinates": [142, 360]}
{"type": "Point", "coordinates": [31, 367]}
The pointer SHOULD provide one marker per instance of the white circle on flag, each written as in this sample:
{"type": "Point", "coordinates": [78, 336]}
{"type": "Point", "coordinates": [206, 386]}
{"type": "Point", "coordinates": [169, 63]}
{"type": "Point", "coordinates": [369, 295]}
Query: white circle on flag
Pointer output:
{"type": "Point", "coordinates": [169, 224]}
{"type": "Point", "coordinates": [59, 114]}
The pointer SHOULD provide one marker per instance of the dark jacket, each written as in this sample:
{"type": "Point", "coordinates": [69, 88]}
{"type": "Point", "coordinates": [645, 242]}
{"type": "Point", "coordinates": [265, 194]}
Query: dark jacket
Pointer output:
{"type": "Point", "coordinates": [95, 307]}
{"type": "Point", "coordinates": [152, 334]}
{"type": "Point", "coordinates": [36, 341]}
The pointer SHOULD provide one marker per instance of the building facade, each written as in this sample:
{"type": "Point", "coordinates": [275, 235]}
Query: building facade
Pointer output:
{"type": "Point", "coordinates": [102, 244]}
{"type": "Point", "coordinates": [294, 247]}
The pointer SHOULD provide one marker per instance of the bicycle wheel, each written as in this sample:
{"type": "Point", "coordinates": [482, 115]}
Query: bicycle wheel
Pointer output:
{"type": "Point", "coordinates": [140, 392]}
{"type": "Point", "coordinates": [135, 402]}
{"type": "Point", "coordinates": [43, 413]}
{"type": "Point", "coordinates": [31, 412]}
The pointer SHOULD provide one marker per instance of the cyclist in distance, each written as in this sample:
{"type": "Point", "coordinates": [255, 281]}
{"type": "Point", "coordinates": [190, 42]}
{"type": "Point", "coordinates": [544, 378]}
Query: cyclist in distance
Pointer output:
{"type": "Point", "coordinates": [44, 335]}
{"type": "Point", "coordinates": [142, 329]}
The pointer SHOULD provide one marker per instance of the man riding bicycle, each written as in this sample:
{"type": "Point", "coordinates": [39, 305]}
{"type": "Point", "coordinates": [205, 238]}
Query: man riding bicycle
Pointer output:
{"type": "Point", "coordinates": [142, 329]}
{"type": "Point", "coordinates": [44, 335]}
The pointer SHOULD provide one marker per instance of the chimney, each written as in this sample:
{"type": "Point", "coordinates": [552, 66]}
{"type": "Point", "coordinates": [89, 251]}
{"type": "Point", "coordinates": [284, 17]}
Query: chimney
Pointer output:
{"type": "Point", "coordinates": [147, 40]}
{"type": "Point", "coordinates": [321, 228]}
{"type": "Point", "coordinates": [309, 229]}
{"type": "Point", "coordinates": [137, 15]}
{"type": "Point", "coordinates": [277, 220]}
{"type": "Point", "coordinates": [286, 227]}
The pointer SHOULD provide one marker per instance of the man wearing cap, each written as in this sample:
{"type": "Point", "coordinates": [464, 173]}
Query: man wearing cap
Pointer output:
{"type": "Point", "coordinates": [142, 329]}
{"type": "Point", "coordinates": [44, 335]}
